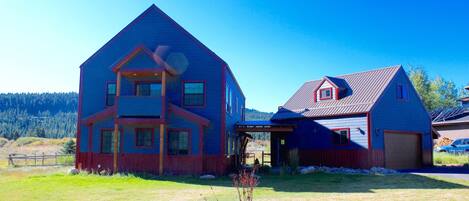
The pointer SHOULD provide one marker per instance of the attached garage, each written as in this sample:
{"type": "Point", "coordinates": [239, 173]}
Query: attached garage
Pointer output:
{"type": "Point", "coordinates": [402, 150]}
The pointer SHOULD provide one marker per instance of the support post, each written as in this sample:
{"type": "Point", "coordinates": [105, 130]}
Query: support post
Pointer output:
{"type": "Point", "coordinates": [162, 129]}
{"type": "Point", "coordinates": [116, 125]}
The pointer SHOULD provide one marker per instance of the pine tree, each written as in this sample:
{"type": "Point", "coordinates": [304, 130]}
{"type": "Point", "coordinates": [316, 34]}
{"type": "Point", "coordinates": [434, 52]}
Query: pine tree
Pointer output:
{"type": "Point", "coordinates": [69, 147]}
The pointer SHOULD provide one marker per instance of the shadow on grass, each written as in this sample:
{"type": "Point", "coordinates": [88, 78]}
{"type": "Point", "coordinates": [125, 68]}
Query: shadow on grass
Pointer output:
{"type": "Point", "coordinates": [322, 182]}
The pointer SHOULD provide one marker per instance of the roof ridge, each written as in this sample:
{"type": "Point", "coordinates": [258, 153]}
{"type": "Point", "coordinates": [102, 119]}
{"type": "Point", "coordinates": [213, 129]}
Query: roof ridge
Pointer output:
{"type": "Point", "coordinates": [366, 71]}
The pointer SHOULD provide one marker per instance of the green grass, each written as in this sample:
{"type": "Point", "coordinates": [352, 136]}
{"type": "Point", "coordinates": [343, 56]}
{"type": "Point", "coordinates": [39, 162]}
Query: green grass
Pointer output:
{"type": "Point", "coordinates": [442, 158]}
{"type": "Point", "coordinates": [54, 184]}
{"type": "Point", "coordinates": [37, 141]}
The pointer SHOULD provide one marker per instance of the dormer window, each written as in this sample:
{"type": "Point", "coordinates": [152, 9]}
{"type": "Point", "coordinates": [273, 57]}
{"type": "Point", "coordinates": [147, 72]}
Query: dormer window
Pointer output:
{"type": "Point", "coordinates": [325, 94]}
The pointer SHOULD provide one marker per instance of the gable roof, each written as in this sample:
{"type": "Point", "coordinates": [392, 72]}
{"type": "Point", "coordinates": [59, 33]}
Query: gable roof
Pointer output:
{"type": "Point", "coordinates": [363, 90]}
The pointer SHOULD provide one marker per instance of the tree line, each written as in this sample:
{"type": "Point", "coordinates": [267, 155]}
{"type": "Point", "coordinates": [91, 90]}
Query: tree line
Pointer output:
{"type": "Point", "coordinates": [49, 115]}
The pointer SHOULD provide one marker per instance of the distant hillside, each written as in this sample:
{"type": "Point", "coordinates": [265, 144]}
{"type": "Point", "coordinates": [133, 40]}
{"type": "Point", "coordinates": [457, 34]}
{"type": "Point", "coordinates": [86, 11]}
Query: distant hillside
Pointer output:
{"type": "Point", "coordinates": [51, 115]}
{"type": "Point", "coordinates": [253, 114]}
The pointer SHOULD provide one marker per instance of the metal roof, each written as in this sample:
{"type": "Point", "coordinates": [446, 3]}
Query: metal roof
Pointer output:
{"type": "Point", "coordinates": [361, 92]}
{"type": "Point", "coordinates": [456, 113]}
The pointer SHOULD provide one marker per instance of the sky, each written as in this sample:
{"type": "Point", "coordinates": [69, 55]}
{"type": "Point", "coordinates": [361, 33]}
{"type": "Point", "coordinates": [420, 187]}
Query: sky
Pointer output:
{"type": "Point", "coordinates": [272, 47]}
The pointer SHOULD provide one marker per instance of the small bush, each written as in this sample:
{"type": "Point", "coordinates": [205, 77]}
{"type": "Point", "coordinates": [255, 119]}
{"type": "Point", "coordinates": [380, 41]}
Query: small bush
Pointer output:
{"type": "Point", "coordinates": [69, 147]}
{"type": "Point", "coordinates": [66, 160]}
{"type": "Point", "coordinates": [22, 141]}
{"type": "Point", "coordinates": [3, 141]}
{"type": "Point", "coordinates": [441, 158]}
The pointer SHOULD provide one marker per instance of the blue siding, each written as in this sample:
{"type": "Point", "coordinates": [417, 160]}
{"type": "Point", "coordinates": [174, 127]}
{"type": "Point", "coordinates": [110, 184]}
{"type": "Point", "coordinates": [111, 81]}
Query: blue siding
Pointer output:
{"type": "Point", "coordinates": [389, 113]}
{"type": "Point", "coordinates": [238, 103]}
{"type": "Point", "coordinates": [316, 134]}
{"type": "Point", "coordinates": [151, 29]}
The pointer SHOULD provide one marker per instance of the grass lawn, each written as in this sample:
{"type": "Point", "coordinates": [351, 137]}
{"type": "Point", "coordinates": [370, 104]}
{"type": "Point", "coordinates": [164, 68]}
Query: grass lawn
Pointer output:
{"type": "Point", "coordinates": [442, 158]}
{"type": "Point", "coordinates": [54, 184]}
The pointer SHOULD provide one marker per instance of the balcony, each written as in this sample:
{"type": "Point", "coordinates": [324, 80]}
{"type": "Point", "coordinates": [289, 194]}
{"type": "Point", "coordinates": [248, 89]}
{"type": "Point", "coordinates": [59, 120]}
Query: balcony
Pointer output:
{"type": "Point", "coordinates": [140, 106]}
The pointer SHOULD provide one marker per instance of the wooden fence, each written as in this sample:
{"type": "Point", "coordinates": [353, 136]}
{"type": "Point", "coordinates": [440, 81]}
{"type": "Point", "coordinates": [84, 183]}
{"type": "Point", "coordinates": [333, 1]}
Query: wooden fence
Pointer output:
{"type": "Point", "coordinates": [18, 160]}
{"type": "Point", "coordinates": [265, 157]}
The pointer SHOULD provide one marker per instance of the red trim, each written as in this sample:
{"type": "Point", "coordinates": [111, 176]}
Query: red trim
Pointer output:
{"type": "Point", "coordinates": [348, 136]}
{"type": "Point", "coordinates": [140, 121]}
{"type": "Point", "coordinates": [402, 132]}
{"type": "Point", "coordinates": [109, 111]}
{"type": "Point", "coordinates": [134, 52]}
{"type": "Point", "coordinates": [152, 138]}
{"type": "Point", "coordinates": [78, 134]}
{"type": "Point", "coordinates": [141, 72]}
{"type": "Point", "coordinates": [315, 96]}
{"type": "Point", "coordinates": [205, 93]}
{"type": "Point", "coordinates": [327, 97]}
{"type": "Point", "coordinates": [188, 115]}
{"type": "Point", "coordinates": [368, 119]}
{"type": "Point", "coordinates": [201, 140]}
{"type": "Point", "coordinates": [337, 93]}
{"type": "Point", "coordinates": [90, 142]}
{"type": "Point", "coordinates": [322, 82]}
{"type": "Point", "coordinates": [189, 147]}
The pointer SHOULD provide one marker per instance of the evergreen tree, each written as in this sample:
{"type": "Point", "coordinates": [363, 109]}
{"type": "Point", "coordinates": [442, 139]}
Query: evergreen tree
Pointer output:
{"type": "Point", "coordinates": [69, 147]}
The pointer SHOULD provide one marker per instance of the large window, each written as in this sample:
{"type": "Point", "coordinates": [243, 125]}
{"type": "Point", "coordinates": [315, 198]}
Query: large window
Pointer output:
{"type": "Point", "coordinates": [107, 141]}
{"type": "Point", "coordinates": [194, 94]}
{"type": "Point", "coordinates": [110, 94]}
{"type": "Point", "coordinates": [147, 89]}
{"type": "Point", "coordinates": [230, 144]}
{"type": "Point", "coordinates": [178, 142]}
{"type": "Point", "coordinates": [341, 136]}
{"type": "Point", "coordinates": [144, 137]}
{"type": "Point", "coordinates": [325, 94]}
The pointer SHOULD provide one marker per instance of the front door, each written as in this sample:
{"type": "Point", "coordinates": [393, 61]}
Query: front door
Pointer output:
{"type": "Point", "coordinates": [279, 150]}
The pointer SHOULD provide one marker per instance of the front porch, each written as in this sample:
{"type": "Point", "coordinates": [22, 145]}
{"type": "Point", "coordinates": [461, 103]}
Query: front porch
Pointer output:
{"type": "Point", "coordinates": [278, 146]}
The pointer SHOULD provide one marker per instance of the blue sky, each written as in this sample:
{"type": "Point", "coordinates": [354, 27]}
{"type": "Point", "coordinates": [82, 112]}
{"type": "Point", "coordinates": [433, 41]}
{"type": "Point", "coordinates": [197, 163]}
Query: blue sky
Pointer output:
{"type": "Point", "coordinates": [272, 47]}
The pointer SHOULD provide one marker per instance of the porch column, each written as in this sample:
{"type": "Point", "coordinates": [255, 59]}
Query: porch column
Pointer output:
{"type": "Point", "coordinates": [116, 125]}
{"type": "Point", "coordinates": [162, 129]}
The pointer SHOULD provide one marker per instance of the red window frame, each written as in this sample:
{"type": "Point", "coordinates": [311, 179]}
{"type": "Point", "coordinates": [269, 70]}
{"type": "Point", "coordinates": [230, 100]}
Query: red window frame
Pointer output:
{"type": "Point", "coordinates": [152, 137]}
{"type": "Point", "coordinates": [184, 94]}
{"type": "Point", "coordinates": [327, 97]}
{"type": "Point", "coordinates": [189, 141]}
{"type": "Point", "coordinates": [340, 129]}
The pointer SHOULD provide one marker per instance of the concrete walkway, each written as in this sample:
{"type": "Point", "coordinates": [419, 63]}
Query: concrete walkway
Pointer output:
{"type": "Point", "coordinates": [449, 172]}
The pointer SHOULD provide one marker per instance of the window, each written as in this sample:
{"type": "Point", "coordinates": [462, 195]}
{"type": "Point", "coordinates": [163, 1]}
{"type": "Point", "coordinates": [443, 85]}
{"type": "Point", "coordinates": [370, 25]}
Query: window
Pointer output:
{"type": "Point", "coordinates": [107, 141]}
{"type": "Point", "coordinates": [401, 93]}
{"type": "Point", "coordinates": [341, 136]}
{"type": "Point", "coordinates": [147, 89]}
{"type": "Point", "coordinates": [144, 137]}
{"type": "Point", "coordinates": [178, 142]}
{"type": "Point", "coordinates": [228, 100]}
{"type": "Point", "coordinates": [110, 94]}
{"type": "Point", "coordinates": [194, 94]}
{"type": "Point", "coordinates": [325, 94]}
{"type": "Point", "coordinates": [230, 143]}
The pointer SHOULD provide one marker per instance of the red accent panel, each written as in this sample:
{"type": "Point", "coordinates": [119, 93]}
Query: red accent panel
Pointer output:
{"type": "Point", "coordinates": [335, 158]}
{"type": "Point", "coordinates": [183, 165]}
{"type": "Point", "coordinates": [337, 95]}
{"type": "Point", "coordinates": [216, 164]}
{"type": "Point", "coordinates": [368, 119]}
{"type": "Point", "coordinates": [101, 115]}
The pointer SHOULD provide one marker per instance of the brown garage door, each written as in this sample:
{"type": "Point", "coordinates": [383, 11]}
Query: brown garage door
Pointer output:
{"type": "Point", "coordinates": [402, 150]}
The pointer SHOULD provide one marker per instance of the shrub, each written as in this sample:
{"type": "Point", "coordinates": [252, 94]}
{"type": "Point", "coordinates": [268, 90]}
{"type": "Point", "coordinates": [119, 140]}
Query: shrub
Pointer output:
{"type": "Point", "coordinates": [69, 147]}
{"type": "Point", "coordinates": [441, 158]}
{"type": "Point", "coordinates": [3, 141]}
{"type": "Point", "coordinates": [245, 182]}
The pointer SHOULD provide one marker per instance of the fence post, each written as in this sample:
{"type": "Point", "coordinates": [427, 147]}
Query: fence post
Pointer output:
{"type": "Point", "coordinates": [262, 158]}
{"type": "Point", "coordinates": [55, 158]}
{"type": "Point", "coordinates": [35, 162]}
{"type": "Point", "coordinates": [10, 160]}
{"type": "Point", "coordinates": [43, 157]}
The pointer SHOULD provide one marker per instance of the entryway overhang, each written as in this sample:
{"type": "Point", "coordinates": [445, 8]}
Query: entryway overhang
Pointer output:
{"type": "Point", "coordinates": [263, 126]}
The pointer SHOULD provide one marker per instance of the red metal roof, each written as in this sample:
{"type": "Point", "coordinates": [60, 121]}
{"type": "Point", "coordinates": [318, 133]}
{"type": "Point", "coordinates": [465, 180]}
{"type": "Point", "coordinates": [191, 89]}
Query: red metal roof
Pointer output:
{"type": "Point", "coordinates": [362, 91]}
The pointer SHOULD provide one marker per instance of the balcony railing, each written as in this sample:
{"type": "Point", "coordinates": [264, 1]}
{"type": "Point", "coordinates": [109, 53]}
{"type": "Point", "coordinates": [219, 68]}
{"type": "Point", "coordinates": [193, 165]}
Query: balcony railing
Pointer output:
{"type": "Point", "coordinates": [140, 106]}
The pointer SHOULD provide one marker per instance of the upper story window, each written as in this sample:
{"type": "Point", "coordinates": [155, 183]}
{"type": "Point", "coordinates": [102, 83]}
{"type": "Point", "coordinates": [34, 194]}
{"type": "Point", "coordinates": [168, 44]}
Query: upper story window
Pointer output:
{"type": "Point", "coordinates": [194, 94]}
{"type": "Point", "coordinates": [147, 89]}
{"type": "Point", "coordinates": [107, 141]}
{"type": "Point", "coordinates": [110, 93]}
{"type": "Point", "coordinates": [325, 94]}
{"type": "Point", "coordinates": [341, 136]}
{"type": "Point", "coordinates": [401, 92]}
{"type": "Point", "coordinates": [178, 142]}
{"type": "Point", "coordinates": [143, 137]}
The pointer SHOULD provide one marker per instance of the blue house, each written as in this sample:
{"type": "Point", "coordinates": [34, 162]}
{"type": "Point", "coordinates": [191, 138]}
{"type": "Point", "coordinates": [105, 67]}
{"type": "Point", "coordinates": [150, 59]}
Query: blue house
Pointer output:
{"type": "Point", "coordinates": [156, 99]}
{"type": "Point", "coordinates": [360, 120]}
